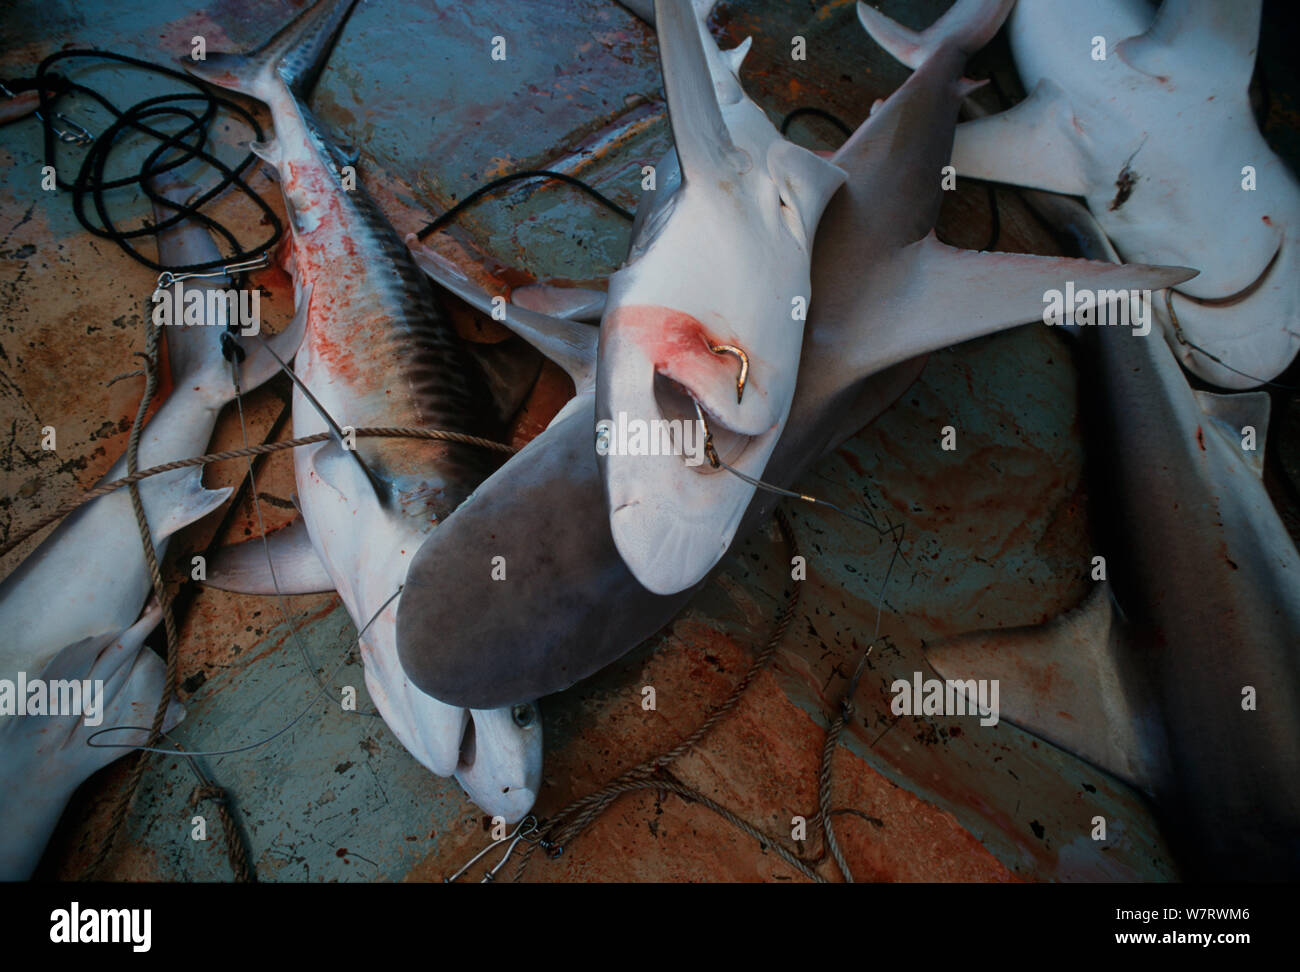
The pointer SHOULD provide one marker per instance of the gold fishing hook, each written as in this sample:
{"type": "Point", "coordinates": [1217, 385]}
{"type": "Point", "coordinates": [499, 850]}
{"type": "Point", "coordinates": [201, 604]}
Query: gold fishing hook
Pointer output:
{"type": "Point", "coordinates": [744, 365]}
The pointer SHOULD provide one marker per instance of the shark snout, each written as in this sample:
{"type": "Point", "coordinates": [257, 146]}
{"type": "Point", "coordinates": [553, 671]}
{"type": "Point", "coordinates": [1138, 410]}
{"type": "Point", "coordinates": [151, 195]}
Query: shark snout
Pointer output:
{"type": "Point", "coordinates": [500, 764]}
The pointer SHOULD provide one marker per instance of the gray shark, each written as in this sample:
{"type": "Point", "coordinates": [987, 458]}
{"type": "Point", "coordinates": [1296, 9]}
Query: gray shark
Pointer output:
{"type": "Point", "coordinates": [886, 291]}
{"type": "Point", "coordinates": [1192, 693]}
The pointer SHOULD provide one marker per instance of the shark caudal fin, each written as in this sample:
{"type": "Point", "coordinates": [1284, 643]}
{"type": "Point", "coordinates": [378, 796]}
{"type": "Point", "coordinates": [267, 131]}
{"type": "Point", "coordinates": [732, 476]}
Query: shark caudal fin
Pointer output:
{"type": "Point", "coordinates": [570, 345]}
{"type": "Point", "coordinates": [1067, 682]}
{"type": "Point", "coordinates": [968, 24]}
{"type": "Point", "coordinates": [293, 57]}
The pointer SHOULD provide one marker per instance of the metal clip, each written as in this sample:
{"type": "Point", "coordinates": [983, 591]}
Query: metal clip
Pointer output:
{"type": "Point", "coordinates": [528, 830]}
{"type": "Point", "coordinates": [167, 278]}
{"type": "Point", "coordinates": [74, 134]}
{"type": "Point", "coordinates": [709, 450]}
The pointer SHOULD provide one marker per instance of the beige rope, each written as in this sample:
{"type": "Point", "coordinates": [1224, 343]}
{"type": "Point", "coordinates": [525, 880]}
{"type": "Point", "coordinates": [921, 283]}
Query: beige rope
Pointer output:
{"type": "Point", "coordinates": [388, 432]}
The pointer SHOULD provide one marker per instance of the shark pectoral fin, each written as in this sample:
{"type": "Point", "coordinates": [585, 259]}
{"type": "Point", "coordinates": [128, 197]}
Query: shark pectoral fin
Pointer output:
{"type": "Point", "coordinates": [570, 345]}
{"type": "Point", "coordinates": [704, 145]}
{"type": "Point", "coordinates": [1231, 415]}
{"type": "Point", "coordinates": [258, 365]}
{"type": "Point", "coordinates": [1037, 144]}
{"type": "Point", "coordinates": [1186, 33]}
{"type": "Point", "coordinates": [284, 563]}
{"type": "Point", "coordinates": [968, 294]}
{"type": "Point", "coordinates": [188, 501]}
{"type": "Point", "coordinates": [268, 151]}
{"type": "Point", "coordinates": [571, 303]}
{"type": "Point", "coordinates": [1064, 681]}
{"type": "Point", "coordinates": [344, 471]}
{"type": "Point", "coordinates": [805, 183]}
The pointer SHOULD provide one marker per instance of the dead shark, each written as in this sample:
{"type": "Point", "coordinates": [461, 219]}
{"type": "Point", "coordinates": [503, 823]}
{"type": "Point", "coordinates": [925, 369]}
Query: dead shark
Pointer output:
{"type": "Point", "coordinates": [708, 309]}
{"type": "Point", "coordinates": [888, 292]}
{"type": "Point", "coordinates": [1194, 696]}
{"type": "Point", "coordinates": [1147, 116]}
{"type": "Point", "coordinates": [378, 351]}
{"type": "Point", "coordinates": [72, 608]}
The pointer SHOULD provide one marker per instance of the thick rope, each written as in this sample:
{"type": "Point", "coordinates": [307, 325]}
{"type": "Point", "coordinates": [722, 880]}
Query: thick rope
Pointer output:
{"type": "Point", "coordinates": [562, 828]}
{"type": "Point", "coordinates": [236, 851]}
{"type": "Point", "coordinates": [828, 752]}
{"type": "Point", "coordinates": [389, 432]}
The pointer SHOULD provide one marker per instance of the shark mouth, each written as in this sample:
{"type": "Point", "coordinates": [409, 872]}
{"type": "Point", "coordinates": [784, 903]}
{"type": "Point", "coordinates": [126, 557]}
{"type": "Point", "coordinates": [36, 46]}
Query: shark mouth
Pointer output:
{"type": "Point", "coordinates": [664, 379]}
{"type": "Point", "coordinates": [507, 783]}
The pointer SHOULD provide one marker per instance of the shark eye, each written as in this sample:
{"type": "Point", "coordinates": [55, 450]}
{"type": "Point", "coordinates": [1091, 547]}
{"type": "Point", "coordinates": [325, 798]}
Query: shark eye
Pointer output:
{"type": "Point", "coordinates": [523, 714]}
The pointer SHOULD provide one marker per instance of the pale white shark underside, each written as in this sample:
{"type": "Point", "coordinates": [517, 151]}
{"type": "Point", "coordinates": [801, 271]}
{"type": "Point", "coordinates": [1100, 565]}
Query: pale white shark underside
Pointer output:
{"type": "Point", "coordinates": [1160, 139]}
{"type": "Point", "coordinates": [377, 351]}
{"type": "Point", "coordinates": [72, 608]}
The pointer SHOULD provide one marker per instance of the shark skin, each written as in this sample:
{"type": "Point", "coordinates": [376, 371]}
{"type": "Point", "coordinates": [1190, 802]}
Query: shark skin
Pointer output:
{"type": "Point", "coordinates": [1157, 138]}
{"type": "Point", "coordinates": [726, 264]}
{"type": "Point", "coordinates": [73, 606]}
{"type": "Point", "coordinates": [378, 351]}
{"type": "Point", "coordinates": [887, 293]}
{"type": "Point", "coordinates": [1209, 580]}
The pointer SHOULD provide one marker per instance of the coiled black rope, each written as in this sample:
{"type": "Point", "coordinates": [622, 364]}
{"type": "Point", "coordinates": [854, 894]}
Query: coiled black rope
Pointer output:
{"type": "Point", "coordinates": [179, 148]}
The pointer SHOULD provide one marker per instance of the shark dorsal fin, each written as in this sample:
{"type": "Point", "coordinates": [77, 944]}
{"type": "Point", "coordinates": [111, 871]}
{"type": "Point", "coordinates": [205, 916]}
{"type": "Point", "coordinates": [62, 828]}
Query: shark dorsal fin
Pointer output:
{"type": "Point", "coordinates": [1065, 681]}
{"type": "Point", "coordinates": [1230, 415]}
{"type": "Point", "coordinates": [996, 148]}
{"type": "Point", "coordinates": [569, 344]}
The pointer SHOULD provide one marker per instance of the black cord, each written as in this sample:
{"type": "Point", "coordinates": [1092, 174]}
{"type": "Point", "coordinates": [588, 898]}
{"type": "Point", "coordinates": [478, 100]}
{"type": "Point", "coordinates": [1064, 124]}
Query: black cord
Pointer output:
{"type": "Point", "coordinates": [187, 144]}
{"type": "Point", "coordinates": [815, 113]}
{"type": "Point", "coordinates": [481, 191]}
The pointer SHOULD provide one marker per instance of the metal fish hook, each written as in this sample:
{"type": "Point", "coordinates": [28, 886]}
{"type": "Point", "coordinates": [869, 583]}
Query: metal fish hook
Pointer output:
{"type": "Point", "coordinates": [527, 830]}
{"type": "Point", "coordinates": [744, 365]}
{"type": "Point", "coordinates": [709, 450]}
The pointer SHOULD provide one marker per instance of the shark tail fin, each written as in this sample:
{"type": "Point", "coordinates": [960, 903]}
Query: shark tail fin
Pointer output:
{"type": "Point", "coordinates": [968, 24]}
{"type": "Point", "coordinates": [293, 57]}
{"type": "Point", "coordinates": [1067, 682]}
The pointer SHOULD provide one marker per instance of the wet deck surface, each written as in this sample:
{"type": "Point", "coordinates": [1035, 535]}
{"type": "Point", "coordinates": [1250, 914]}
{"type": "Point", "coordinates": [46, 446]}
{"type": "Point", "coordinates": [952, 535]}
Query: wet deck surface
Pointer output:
{"type": "Point", "coordinates": [997, 532]}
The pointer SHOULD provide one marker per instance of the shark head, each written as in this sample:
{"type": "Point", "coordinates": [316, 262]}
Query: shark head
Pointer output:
{"type": "Point", "coordinates": [495, 754]}
{"type": "Point", "coordinates": [500, 764]}
{"type": "Point", "coordinates": [705, 321]}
